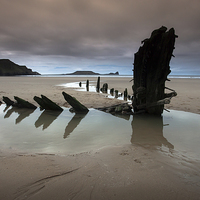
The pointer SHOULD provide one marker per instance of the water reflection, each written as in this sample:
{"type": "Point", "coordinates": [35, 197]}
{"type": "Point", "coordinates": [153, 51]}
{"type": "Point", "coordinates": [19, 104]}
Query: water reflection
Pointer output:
{"type": "Point", "coordinates": [23, 113]}
{"type": "Point", "coordinates": [73, 124]}
{"type": "Point", "coordinates": [6, 108]}
{"type": "Point", "coordinates": [126, 117]}
{"type": "Point", "coordinates": [47, 118]}
{"type": "Point", "coordinates": [148, 132]}
{"type": "Point", "coordinates": [98, 129]}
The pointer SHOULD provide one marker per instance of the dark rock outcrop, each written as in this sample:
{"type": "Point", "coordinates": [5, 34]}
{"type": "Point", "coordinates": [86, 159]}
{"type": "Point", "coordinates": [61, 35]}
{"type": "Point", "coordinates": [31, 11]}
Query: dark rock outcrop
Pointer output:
{"type": "Point", "coordinates": [9, 68]}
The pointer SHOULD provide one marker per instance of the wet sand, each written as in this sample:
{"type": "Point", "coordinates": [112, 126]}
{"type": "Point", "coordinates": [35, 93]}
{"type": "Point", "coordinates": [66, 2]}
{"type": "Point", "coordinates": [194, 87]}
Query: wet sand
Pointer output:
{"type": "Point", "coordinates": [128, 172]}
{"type": "Point", "coordinates": [119, 172]}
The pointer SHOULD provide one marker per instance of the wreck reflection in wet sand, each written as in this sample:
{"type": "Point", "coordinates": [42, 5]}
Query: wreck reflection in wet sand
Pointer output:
{"type": "Point", "coordinates": [38, 131]}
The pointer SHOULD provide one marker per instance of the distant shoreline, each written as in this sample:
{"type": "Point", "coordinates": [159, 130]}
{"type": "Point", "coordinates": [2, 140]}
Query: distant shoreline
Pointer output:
{"type": "Point", "coordinates": [107, 75]}
{"type": "Point", "coordinates": [90, 73]}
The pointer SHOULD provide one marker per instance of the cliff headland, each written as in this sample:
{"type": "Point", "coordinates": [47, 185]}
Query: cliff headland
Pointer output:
{"type": "Point", "coordinates": [9, 68]}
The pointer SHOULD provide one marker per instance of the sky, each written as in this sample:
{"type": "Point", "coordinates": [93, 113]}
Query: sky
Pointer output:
{"type": "Point", "coordinates": [64, 36]}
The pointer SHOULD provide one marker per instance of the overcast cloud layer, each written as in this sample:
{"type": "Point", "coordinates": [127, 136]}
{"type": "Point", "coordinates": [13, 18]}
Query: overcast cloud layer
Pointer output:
{"type": "Point", "coordinates": [101, 35]}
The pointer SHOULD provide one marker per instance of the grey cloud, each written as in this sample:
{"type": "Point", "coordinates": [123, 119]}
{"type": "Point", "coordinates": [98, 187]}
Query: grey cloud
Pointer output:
{"type": "Point", "coordinates": [95, 29]}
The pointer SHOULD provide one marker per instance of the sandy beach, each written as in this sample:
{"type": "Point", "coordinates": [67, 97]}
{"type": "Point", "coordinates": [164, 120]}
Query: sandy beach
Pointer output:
{"type": "Point", "coordinates": [115, 172]}
{"type": "Point", "coordinates": [188, 90]}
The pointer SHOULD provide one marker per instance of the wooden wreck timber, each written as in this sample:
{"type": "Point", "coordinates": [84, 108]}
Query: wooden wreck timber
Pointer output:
{"type": "Point", "coordinates": [21, 103]}
{"type": "Point", "coordinates": [87, 84]}
{"type": "Point", "coordinates": [104, 89]}
{"type": "Point", "coordinates": [116, 93]}
{"type": "Point", "coordinates": [98, 84]}
{"type": "Point", "coordinates": [8, 101]}
{"type": "Point", "coordinates": [40, 102]}
{"type": "Point", "coordinates": [123, 108]}
{"type": "Point", "coordinates": [125, 93]}
{"type": "Point", "coordinates": [151, 68]}
{"type": "Point", "coordinates": [46, 103]}
{"type": "Point", "coordinates": [76, 105]}
{"type": "Point", "coordinates": [112, 91]}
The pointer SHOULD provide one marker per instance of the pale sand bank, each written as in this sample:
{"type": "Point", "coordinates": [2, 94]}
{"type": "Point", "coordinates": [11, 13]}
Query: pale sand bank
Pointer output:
{"type": "Point", "coordinates": [124, 172]}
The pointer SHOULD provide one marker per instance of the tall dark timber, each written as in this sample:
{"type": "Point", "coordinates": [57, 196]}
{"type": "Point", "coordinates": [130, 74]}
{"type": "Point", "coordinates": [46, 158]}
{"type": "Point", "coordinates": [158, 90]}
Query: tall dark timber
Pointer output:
{"type": "Point", "coordinates": [151, 68]}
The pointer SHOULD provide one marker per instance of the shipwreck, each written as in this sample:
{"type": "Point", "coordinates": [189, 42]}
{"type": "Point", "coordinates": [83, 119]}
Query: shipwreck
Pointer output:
{"type": "Point", "coordinates": [151, 68]}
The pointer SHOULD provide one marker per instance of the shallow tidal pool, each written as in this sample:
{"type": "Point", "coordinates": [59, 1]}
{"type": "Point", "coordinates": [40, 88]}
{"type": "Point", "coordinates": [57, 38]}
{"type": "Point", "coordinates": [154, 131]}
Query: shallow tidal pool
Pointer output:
{"type": "Point", "coordinates": [36, 131]}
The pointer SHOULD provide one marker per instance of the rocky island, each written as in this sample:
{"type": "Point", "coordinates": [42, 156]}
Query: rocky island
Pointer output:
{"type": "Point", "coordinates": [90, 73]}
{"type": "Point", "coordinates": [9, 68]}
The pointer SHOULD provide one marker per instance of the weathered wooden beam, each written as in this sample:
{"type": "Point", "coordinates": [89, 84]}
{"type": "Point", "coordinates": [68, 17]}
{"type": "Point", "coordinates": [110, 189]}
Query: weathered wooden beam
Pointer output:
{"type": "Point", "coordinates": [170, 89]}
{"type": "Point", "coordinates": [76, 105]}
{"type": "Point", "coordinates": [87, 85]}
{"type": "Point", "coordinates": [131, 80]}
{"type": "Point", "coordinates": [166, 110]}
{"type": "Point", "coordinates": [51, 104]}
{"type": "Point", "coordinates": [160, 102]}
{"type": "Point", "coordinates": [8, 101]}
{"type": "Point", "coordinates": [98, 84]}
{"type": "Point", "coordinates": [112, 91]}
{"type": "Point", "coordinates": [107, 107]}
{"type": "Point", "coordinates": [42, 104]}
{"type": "Point", "coordinates": [125, 93]}
{"type": "Point", "coordinates": [171, 94]}
{"type": "Point", "coordinates": [104, 89]}
{"type": "Point", "coordinates": [21, 103]}
{"type": "Point", "coordinates": [123, 108]}
{"type": "Point", "coordinates": [46, 103]}
{"type": "Point", "coordinates": [116, 93]}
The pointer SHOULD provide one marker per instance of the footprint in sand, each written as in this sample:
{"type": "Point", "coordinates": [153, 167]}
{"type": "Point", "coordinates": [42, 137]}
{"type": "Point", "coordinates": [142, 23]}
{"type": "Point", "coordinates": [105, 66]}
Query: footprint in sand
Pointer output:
{"type": "Point", "coordinates": [137, 161]}
{"type": "Point", "coordinates": [124, 153]}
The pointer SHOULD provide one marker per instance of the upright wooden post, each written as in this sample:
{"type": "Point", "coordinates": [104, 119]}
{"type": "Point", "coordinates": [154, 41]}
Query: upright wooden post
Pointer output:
{"type": "Point", "coordinates": [87, 85]}
{"type": "Point", "coordinates": [98, 84]}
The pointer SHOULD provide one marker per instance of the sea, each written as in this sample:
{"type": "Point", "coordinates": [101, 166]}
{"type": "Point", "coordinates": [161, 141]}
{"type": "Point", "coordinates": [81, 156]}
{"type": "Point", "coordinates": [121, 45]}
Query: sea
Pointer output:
{"type": "Point", "coordinates": [117, 76]}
